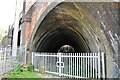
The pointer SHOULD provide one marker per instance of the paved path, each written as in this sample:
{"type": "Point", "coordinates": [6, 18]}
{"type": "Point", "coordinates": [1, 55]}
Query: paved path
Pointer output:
{"type": "Point", "coordinates": [47, 76]}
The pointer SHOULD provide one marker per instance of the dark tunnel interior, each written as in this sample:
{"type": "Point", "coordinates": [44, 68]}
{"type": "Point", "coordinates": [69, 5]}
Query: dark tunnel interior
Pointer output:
{"type": "Point", "coordinates": [57, 30]}
{"type": "Point", "coordinates": [58, 38]}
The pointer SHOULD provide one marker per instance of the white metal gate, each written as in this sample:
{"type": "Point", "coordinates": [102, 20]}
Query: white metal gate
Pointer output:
{"type": "Point", "coordinates": [78, 65]}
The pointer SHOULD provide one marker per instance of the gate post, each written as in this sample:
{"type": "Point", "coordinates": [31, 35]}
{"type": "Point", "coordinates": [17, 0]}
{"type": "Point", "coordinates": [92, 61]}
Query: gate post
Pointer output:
{"type": "Point", "coordinates": [60, 64]}
{"type": "Point", "coordinates": [32, 57]}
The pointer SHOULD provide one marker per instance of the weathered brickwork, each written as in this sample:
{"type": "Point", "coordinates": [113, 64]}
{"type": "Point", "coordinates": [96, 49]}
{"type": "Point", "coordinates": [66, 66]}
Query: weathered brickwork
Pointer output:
{"type": "Point", "coordinates": [105, 14]}
{"type": "Point", "coordinates": [34, 13]}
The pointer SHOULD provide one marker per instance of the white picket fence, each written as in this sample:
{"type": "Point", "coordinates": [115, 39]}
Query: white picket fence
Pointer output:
{"type": "Point", "coordinates": [77, 65]}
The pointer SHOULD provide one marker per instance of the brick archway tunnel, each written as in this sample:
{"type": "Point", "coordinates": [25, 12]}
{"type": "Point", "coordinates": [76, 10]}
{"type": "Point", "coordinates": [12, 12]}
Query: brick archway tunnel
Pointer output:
{"type": "Point", "coordinates": [84, 26]}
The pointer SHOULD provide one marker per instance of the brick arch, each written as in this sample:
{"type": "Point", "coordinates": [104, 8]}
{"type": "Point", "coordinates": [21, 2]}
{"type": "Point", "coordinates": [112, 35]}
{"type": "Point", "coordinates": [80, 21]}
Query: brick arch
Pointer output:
{"type": "Point", "coordinates": [48, 8]}
{"type": "Point", "coordinates": [100, 38]}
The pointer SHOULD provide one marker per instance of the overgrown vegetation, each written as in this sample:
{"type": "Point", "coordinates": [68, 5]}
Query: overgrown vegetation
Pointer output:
{"type": "Point", "coordinates": [41, 69]}
{"type": "Point", "coordinates": [23, 71]}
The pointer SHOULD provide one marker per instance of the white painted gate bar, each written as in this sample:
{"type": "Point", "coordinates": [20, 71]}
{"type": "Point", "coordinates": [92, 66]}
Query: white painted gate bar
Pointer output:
{"type": "Point", "coordinates": [93, 65]}
{"type": "Point", "coordinates": [78, 65]}
{"type": "Point", "coordinates": [99, 66]}
{"type": "Point", "coordinates": [103, 65]}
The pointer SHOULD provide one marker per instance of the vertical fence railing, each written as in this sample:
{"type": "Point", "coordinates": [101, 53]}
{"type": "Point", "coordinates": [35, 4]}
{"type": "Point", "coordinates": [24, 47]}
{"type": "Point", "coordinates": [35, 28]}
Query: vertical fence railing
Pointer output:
{"type": "Point", "coordinates": [103, 65]}
{"type": "Point", "coordinates": [7, 62]}
{"type": "Point", "coordinates": [78, 65]}
{"type": "Point", "coordinates": [21, 55]}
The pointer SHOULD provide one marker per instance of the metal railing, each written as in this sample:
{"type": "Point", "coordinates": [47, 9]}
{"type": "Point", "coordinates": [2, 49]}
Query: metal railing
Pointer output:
{"type": "Point", "coordinates": [77, 65]}
{"type": "Point", "coordinates": [7, 62]}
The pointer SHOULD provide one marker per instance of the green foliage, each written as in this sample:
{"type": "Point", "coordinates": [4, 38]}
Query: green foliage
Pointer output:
{"type": "Point", "coordinates": [41, 69]}
{"type": "Point", "coordinates": [24, 74]}
{"type": "Point", "coordinates": [31, 67]}
{"type": "Point", "coordinates": [21, 72]}
{"type": "Point", "coordinates": [19, 68]}
{"type": "Point", "coordinates": [2, 31]}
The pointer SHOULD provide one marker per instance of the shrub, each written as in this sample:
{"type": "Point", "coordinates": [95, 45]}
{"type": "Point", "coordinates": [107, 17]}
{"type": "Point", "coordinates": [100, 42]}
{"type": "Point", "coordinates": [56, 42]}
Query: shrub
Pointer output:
{"type": "Point", "coordinates": [19, 68]}
{"type": "Point", "coordinates": [31, 67]}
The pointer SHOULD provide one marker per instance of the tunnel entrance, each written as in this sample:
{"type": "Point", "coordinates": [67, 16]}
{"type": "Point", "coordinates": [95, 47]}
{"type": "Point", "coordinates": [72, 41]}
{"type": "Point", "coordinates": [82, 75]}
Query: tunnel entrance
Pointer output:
{"type": "Point", "coordinates": [55, 39]}
{"type": "Point", "coordinates": [74, 25]}
{"type": "Point", "coordinates": [62, 26]}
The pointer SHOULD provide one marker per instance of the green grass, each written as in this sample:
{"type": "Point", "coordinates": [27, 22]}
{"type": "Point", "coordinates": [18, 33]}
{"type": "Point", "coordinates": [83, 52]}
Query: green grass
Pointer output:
{"type": "Point", "coordinates": [24, 74]}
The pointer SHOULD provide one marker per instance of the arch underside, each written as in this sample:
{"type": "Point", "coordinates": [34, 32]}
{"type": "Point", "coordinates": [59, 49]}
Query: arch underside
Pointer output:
{"type": "Point", "coordinates": [71, 24]}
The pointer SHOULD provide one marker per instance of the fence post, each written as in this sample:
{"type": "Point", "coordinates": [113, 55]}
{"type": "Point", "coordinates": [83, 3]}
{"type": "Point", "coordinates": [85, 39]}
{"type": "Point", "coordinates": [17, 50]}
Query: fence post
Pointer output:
{"type": "Point", "coordinates": [60, 64]}
{"type": "Point", "coordinates": [99, 74]}
{"type": "Point", "coordinates": [4, 64]}
{"type": "Point", "coordinates": [32, 57]}
{"type": "Point", "coordinates": [103, 66]}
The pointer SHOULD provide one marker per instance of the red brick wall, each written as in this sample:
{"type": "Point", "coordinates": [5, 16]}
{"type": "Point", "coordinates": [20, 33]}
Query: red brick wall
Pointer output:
{"type": "Point", "coordinates": [27, 32]}
{"type": "Point", "coordinates": [36, 14]}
